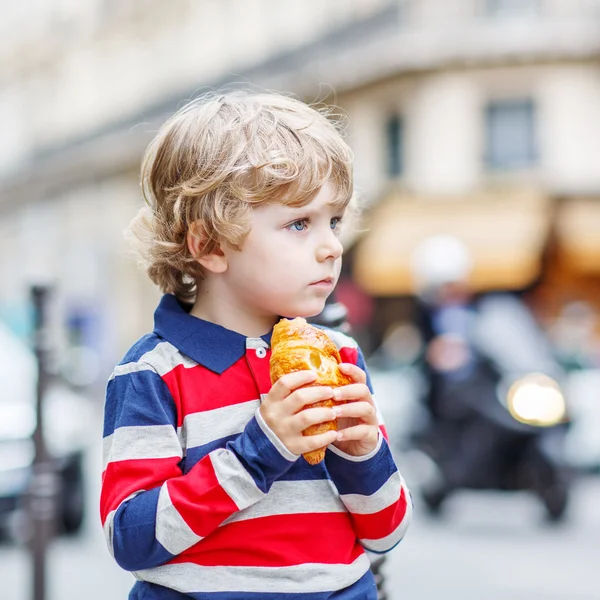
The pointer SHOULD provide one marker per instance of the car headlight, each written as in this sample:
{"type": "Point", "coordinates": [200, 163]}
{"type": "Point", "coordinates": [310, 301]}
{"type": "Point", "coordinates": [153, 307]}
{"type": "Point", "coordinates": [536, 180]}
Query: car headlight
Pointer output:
{"type": "Point", "coordinates": [537, 400]}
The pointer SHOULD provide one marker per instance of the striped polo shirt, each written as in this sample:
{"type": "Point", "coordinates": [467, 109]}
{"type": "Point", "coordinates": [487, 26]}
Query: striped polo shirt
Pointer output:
{"type": "Point", "coordinates": [201, 500]}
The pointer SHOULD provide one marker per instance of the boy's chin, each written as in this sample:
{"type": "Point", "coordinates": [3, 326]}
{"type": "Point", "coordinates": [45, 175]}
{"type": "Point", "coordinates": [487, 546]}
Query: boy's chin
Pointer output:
{"type": "Point", "coordinates": [306, 312]}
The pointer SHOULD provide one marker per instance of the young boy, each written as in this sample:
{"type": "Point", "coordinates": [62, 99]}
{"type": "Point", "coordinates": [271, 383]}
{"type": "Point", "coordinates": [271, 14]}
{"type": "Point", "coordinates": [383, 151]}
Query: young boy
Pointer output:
{"type": "Point", "coordinates": [204, 492]}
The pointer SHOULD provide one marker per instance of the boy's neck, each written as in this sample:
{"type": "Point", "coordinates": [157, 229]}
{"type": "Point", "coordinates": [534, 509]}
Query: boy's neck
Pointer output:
{"type": "Point", "coordinates": [219, 310]}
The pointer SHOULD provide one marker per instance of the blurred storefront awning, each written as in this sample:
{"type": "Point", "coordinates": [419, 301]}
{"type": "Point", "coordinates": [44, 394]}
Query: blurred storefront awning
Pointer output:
{"type": "Point", "coordinates": [505, 232]}
{"type": "Point", "coordinates": [578, 234]}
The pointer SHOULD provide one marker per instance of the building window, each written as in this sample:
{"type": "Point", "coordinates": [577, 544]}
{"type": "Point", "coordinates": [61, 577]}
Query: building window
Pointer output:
{"type": "Point", "coordinates": [510, 8]}
{"type": "Point", "coordinates": [511, 134]}
{"type": "Point", "coordinates": [395, 145]}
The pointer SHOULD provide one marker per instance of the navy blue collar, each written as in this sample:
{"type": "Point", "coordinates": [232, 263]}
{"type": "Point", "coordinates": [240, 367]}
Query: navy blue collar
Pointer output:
{"type": "Point", "coordinates": [210, 345]}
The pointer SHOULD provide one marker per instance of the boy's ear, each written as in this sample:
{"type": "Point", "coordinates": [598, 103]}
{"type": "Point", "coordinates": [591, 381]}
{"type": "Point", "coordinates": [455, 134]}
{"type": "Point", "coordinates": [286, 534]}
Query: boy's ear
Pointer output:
{"type": "Point", "coordinates": [216, 261]}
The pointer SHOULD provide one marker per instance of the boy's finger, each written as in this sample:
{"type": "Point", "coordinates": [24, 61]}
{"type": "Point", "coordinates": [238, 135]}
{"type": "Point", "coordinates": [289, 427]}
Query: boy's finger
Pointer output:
{"type": "Point", "coordinates": [353, 391]}
{"type": "Point", "coordinates": [306, 396]}
{"type": "Point", "coordinates": [312, 416]}
{"type": "Point", "coordinates": [358, 410]}
{"type": "Point", "coordinates": [313, 442]}
{"type": "Point", "coordinates": [358, 432]}
{"type": "Point", "coordinates": [285, 385]}
{"type": "Point", "coordinates": [353, 371]}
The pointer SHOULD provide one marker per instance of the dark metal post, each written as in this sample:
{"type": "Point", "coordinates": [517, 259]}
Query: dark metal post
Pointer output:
{"type": "Point", "coordinates": [44, 486]}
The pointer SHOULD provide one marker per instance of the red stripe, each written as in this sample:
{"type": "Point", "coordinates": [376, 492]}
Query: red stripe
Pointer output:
{"type": "Point", "coordinates": [198, 389]}
{"type": "Point", "coordinates": [278, 541]}
{"type": "Point", "coordinates": [380, 524]}
{"type": "Point", "coordinates": [200, 499]}
{"type": "Point", "coordinates": [124, 477]}
{"type": "Point", "coordinates": [349, 354]}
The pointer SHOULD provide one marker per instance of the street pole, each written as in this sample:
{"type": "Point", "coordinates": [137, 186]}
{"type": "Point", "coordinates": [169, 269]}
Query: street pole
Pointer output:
{"type": "Point", "coordinates": [44, 485]}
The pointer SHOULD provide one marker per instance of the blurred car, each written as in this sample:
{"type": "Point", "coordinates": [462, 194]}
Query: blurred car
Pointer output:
{"type": "Point", "coordinates": [66, 418]}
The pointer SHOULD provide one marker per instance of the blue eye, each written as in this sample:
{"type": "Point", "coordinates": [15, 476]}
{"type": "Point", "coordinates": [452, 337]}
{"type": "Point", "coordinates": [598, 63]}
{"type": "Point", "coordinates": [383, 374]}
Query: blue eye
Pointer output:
{"type": "Point", "coordinates": [299, 225]}
{"type": "Point", "coordinates": [334, 223]}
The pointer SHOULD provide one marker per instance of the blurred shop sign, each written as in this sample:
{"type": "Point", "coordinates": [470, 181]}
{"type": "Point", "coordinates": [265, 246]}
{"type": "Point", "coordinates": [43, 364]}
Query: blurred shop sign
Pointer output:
{"type": "Point", "coordinates": [578, 232]}
{"type": "Point", "coordinates": [504, 232]}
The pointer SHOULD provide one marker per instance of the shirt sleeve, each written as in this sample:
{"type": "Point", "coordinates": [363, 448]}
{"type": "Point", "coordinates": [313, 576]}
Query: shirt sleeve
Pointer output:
{"type": "Point", "coordinates": [151, 511]}
{"type": "Point", "coordinates": [371, 487]}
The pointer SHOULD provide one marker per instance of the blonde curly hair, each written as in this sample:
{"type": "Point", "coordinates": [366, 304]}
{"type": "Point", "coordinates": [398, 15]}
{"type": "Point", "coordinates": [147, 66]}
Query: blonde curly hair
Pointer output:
{"type": "Point", "coordinates": [217, 158]}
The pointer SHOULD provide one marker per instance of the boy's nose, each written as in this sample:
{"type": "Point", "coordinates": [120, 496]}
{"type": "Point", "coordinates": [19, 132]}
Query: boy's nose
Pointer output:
{"type": "Point", "coordinates": [331, 247]}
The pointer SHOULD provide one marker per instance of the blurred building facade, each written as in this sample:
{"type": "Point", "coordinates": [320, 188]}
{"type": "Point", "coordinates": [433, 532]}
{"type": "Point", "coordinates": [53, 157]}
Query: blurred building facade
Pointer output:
{"type": "Point", "coordinates": [452, 104]}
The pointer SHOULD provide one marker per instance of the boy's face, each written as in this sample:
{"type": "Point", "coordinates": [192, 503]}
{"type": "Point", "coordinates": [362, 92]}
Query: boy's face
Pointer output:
{"type": "Point", "coordinates": [290, 260]}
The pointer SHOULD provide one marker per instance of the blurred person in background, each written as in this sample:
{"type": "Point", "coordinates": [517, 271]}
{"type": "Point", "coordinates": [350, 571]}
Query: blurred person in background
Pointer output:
{"type": "Point", "coordinates": [479, 349]}
{"type": "Point", "coordinates": [204, 491]}
{"type": "Point", "coordinates": [446, 314]}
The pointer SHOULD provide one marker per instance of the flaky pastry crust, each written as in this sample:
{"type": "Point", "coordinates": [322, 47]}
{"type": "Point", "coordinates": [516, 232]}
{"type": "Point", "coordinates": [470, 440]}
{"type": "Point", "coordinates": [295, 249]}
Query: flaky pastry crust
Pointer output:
{"type": "Point", "coordinates": [298, 346]}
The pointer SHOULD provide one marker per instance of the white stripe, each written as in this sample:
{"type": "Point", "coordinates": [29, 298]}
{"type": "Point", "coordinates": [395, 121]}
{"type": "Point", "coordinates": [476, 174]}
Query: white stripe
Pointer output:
{"type": "Point", "coordinates": [294, 497]}
{"type": "Point", "coordinates": [132, 367]}
{"type": "Point", "coordinates": [171, 530]}
{"type": "Point", "coordinates": [147, 441]}
{"type": "Point", "coordinates": [210, 425]}
{"type": "Point", "coordinates": [234, 479]}
{"type": "Point", "coordinates": [164, 357]}
{"type": "Point", "coordinates": [389, 541]}
{"type": "Point", "coordinates": [341, 340]}
{"type": "Point", "coordinates": [385, 496]}
{"type": "Point", "coordinates": [306, 578]}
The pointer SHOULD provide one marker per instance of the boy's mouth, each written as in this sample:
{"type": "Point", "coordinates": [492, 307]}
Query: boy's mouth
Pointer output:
{"type": "Point", "coordinates": [327, 282]}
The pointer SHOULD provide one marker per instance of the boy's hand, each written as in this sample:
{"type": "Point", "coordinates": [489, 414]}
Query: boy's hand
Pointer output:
{"type": "Point", "coordinates": [358, 425]}
{"type": "Point", "coordinates": [282, 411]}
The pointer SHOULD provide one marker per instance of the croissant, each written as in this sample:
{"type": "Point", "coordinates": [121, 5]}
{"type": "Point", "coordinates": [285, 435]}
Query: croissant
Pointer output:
{"type": "Point", "coordinates": [298, 346]}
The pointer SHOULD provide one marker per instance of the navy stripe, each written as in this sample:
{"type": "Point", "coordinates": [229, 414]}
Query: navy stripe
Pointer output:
{"type": "Point", "coordinates": [299, 471]}
{"type": "Point", "coordinates": [259, 456]}
{"type": "Point", "coordinates": [137, 399]}
{"type": "Point", "coordinates": [149, 591]}
{"type": "Point", "coordinates": [135, 546]}
{"type": "Point", "coordinates": [196, 454]}
{"type": "Point", "coordinates": [361, 477]}
{"type": "Point", "coordinates": [302, 471]}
